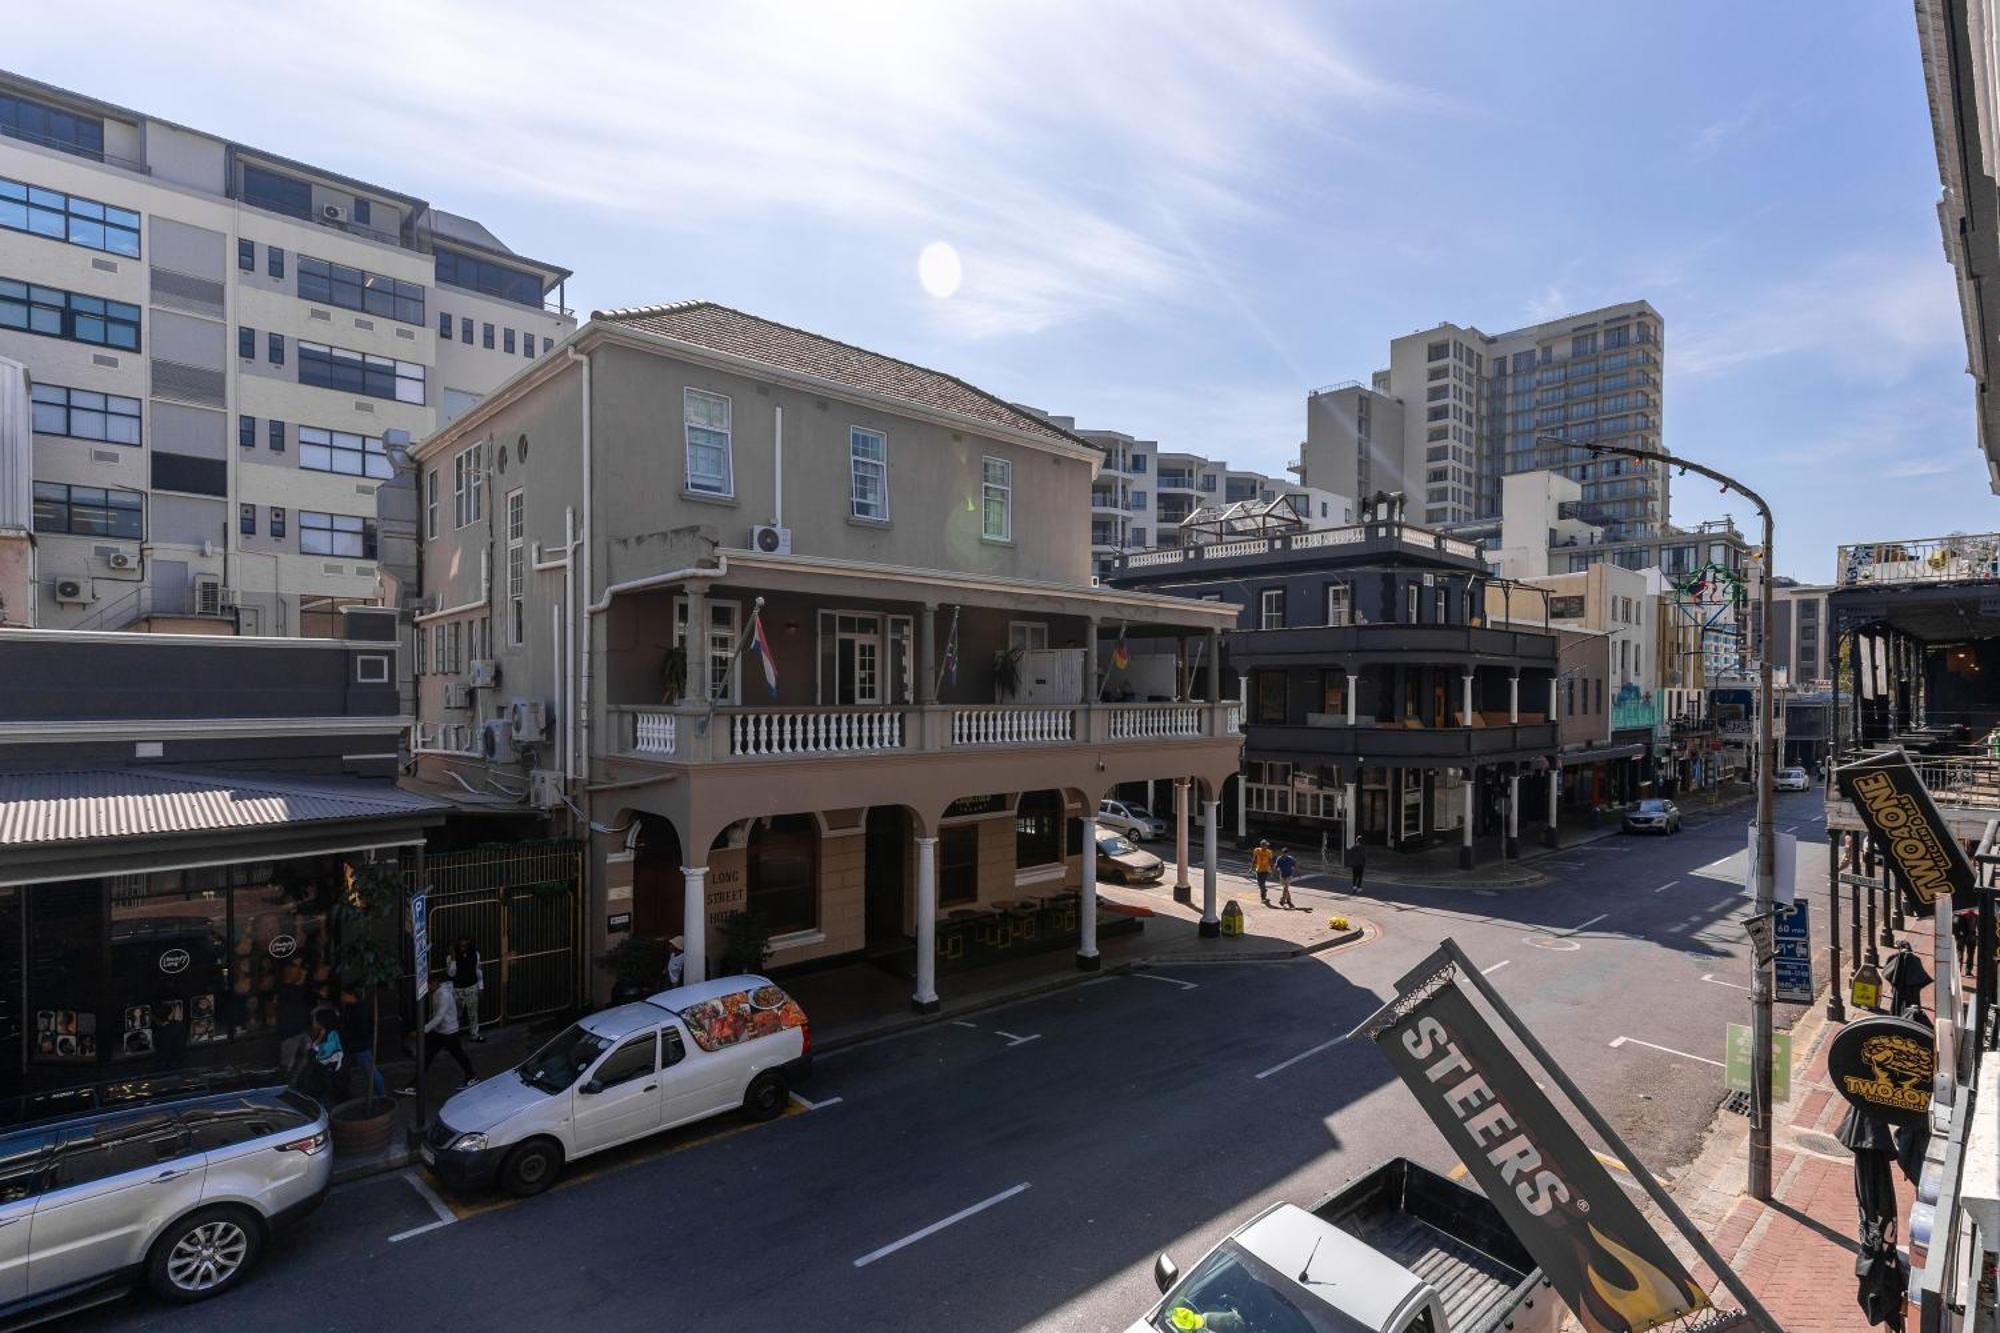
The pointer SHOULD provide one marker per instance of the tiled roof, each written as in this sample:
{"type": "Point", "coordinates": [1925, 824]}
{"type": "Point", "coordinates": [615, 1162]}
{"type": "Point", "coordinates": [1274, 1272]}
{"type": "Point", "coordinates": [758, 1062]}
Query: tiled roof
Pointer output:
{"type": "Point", "coordinates": [93, 804]}
{"type": "Point", "coordinates": [721, 329]}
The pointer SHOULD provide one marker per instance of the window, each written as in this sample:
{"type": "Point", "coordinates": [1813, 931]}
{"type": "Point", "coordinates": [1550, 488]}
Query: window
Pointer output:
{"type": "Point", "coordinates": [635, 1059]}
{"type": "Point", "coordinates": [486, 335]}
{"type": "Point", "coordinates": [507, 341]}
{"type": "Point", "coordinates": [783, 873]}
{"type": "Point", "coordinates": [361, 212]}
{"type": "Point", "coordinates": [275, 343]}
{"type": "Point", "coordinates": [55, 313]}
{"type": "Point", "coordinates": [465, 330]}
{"type": "Point", "coordinates": [359, 372]}
{"type": "Point", "coordinates": [708, 431]}
{"type": "Point", "coordinates": [246, 344]}
{"type": "Point", "coordinates": [274, 262]}
{"type": "Point", "coordinates": [868, 461]}
{"type": "Point", "coordinates": [1267, 697]}
{"type": "Point", "coordinates": [480, 275]}
{"type": "Point", "coordinates": [1410, 607]}
{"type": "Point", "coordinates": [1027, 636]}
{"type": "Point", "coordinates": [68, 217]}
{"type": "Point", "coordinates": [548, 345]}
{"type": "Point", "coordinates": [1437, 607]}
{"type": "Point", "coordinates": [280, 194]}
{"type": "Point", "coordinates": [517, 567]}
{"type": "Point", "coordinates": [1038, 822]}
{"type": "Point", "coordinates": [1271, 609]}
{"type": "Point", "coordinates": [444, 326]}
{"type": "Point", "coordinates": [1339, 604]}
{"type": "Point", "coordinates": [120, 1145]}
{"type": "Point", "coordinates": [1566, 607]}
{"type": "Point", "coordinates": [246, 520]}
{"type": "Point", "coordinates": [89, 511]}
{"type": "Point", "coordinates": [358, 289]}
{"type": "Point", "coordinates": [996, 522]}
{"type": "Point", "coordinates": [277, 436]}
{"type": "Point", "coordinates": [37, 122]}
{"type": "Point", "coordinates": [527, 345]}
{"type": "Point", "coordinates": [468, 486]}
{"type": "Point", "coordinates": [246, 256]}
{"type": "Point", "coordinates": [277, 520]}
{"type": "Point", "coordinates": [431, 504]}
{"type": "Point", "coordinates": [336, 534]}
{"type": "Point", "coordinates": [83, 414]}
{"type": "Point", "coordinates": [246, 432]}
{"type": "Point", "coordinates": [958, 863]}
{"type": "Point", "coordinates": [722, 675]}
{"type": "Point", "coordinates": [345, 452]}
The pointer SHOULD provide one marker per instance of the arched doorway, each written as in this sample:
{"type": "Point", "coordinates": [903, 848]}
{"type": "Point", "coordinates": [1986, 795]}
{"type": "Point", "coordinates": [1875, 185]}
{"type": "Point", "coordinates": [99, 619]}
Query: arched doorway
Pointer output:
{"type": "Point", "coordinates": [659, 889]}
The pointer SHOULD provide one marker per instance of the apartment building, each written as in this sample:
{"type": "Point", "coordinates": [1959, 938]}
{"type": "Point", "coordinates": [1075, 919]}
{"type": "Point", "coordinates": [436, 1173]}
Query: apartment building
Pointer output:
{"type": "Point", "coordinates": [1800, 645]}
{"type": "Point", "coordinates": [1457, 409]}
{"type": "Point", "coordinates": [1144, 493]}
{"type": "Point", "coordinates": [229, 351]}
{"type": "Point", "coordinates": [794, 629]}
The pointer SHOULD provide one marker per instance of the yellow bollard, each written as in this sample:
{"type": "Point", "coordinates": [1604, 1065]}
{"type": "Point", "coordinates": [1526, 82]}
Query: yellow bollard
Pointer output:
{"type": "Point", "coordinates": [1232, 918]}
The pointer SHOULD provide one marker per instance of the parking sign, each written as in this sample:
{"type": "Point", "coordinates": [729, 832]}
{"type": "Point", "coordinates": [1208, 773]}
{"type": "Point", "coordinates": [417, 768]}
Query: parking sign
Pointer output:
{"type": "Point", "coordinates": [420, 940]}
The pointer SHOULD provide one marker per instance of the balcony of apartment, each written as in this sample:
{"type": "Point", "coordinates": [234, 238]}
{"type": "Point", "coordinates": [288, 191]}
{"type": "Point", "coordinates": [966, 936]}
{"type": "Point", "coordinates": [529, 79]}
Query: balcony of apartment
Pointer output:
{"type": "Point", "coordinates": [1369, 538]}
{"type": "Point", "coordinates": [1406, 715]}
{"type": "Point", "coordinates": [1177, 479]}
{"type": "Point", "coordinates": [1106, 500]}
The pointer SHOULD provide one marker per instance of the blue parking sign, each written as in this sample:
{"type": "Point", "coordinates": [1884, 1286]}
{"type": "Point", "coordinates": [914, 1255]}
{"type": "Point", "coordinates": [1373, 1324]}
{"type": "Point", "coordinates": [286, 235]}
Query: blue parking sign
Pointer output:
{"type": "Point", "coordinates": [1792, 966]}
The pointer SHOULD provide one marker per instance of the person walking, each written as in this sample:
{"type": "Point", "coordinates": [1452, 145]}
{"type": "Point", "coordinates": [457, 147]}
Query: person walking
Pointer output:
{"type": "Point", "coordinates": [468, 976]}
{"type": "Point", "coordinates": [357, 1038]}
{"type": "Point", "coordinates": [1260, 865]}
{"type": "Point", "coordinates": [442, 1030]}
{"type": "Point", "coordinates": [1357, 861]}
{"type": "Point", "coordinates": [1286, 865]}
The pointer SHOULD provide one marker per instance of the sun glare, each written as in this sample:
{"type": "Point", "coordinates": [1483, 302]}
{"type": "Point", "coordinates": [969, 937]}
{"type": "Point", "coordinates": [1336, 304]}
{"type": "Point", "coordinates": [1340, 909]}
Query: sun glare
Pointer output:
{"type": "Point", "coordinates": [939, 270]}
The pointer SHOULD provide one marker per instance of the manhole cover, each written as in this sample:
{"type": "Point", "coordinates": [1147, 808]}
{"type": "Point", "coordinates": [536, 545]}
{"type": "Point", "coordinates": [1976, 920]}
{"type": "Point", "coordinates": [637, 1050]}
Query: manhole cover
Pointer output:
{"type": "Point", "coordinates": [1814, 1141]}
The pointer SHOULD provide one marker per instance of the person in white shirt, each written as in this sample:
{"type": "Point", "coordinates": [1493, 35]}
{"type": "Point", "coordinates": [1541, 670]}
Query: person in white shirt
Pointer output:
{"type": "Point", "coordinates": [468, 978]}
{"type": "Point", "coordinates": [676, 961]}
{"type": "Point", "coordinates": [442, 1033]}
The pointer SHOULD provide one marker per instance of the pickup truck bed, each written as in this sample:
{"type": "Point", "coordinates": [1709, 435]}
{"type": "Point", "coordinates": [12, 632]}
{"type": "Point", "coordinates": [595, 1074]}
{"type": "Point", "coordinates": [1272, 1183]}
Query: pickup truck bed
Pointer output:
{"type": "Point", "coordinates": [1472, 1284]}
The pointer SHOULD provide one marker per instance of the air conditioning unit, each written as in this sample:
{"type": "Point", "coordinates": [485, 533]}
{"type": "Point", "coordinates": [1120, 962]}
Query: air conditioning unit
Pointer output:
{"type": "Point", "coordinates": [530, 719]}
{"type": "Point", "coordinates": [457, 694]}
{"type": "Point", "coordinates": [485, 673]}
{"type": "Point", "coordinates": [74, 590]}
{"type": "Point", "coordinates": [333, 212]}
{"type": "Point", "coordinates": [119, 560]}
{"type": "Point", "coordinates": [767, 540]}
{"type": "Point", "coordinates": [496, 740]}
{"type": "Point", "coordinates": [545, 788]}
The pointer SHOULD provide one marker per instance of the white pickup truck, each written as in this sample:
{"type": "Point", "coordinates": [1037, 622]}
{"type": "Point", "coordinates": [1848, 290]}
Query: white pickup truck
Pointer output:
{"type": "Point", "coordinates": [1401, 1250]}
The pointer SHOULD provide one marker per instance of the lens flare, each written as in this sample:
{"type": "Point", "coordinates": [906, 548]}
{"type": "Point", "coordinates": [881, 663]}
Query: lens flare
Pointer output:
{"type": "Point", "coordinates": [939, 270]}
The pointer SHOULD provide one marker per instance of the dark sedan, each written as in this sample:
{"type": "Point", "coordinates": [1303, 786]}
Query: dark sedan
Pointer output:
{"type": "Point", "coordinates": [1653, 816]}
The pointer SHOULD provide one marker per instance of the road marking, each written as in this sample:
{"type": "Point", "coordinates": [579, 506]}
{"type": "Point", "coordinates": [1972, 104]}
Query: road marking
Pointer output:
{"type": "Point", "coordinates": [961, 1023]}
{"type": "Point", "coordinates": [1553, 943]}
{"type": "Point", "coordinates": [1668, 885]}
{"type": "Point", "coordinates": [1171, 981]}
{"type": "Point", "coordinates": [1302, 1055]}
{"type": "Point", "coordinates": [938, 1226]}
{"type": "Point", "coordinates": [445, 1216]}
{"type": "Point", "coordinates": [1791, 828]}
{"type": "Point", "coordinates": [1611, 1161]}
{"type": "Point", "coordinates": [1714, 980]}
{"type": "Point", "coordinates": [1620, 1041]}
{"type": "Point", "coordinates": [816, 1106]}
{"type": "Point", "coordinates": [1489, 971]}
{"type": "Point", "coordinates": [1593, 921]}
{"type": "Point", "coordinates": [1013, 1040]}
{"type": "Point", "coordinates": [1458, 1172]}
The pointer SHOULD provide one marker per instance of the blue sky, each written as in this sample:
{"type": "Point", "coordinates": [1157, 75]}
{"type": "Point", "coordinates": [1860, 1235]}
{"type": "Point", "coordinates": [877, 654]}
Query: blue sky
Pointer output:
{"type": "Point", "coordinates": [1174, 220]}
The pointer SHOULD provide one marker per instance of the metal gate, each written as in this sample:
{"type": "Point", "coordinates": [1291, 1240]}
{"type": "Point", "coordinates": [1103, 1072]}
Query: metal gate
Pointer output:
{"type": "Point", "coordinates": [520, 903]}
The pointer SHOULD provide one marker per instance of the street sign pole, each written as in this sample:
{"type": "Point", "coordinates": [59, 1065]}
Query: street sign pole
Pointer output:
{"type": "Point", "coordinates": [420, 949]}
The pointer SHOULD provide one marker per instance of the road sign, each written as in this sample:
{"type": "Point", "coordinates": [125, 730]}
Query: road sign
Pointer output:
{"type": "Point", "coordinates": [1785, 888]}
{"type": "Point", "coordinates": [1792, 964]}
{"type": "Point", "coordinates": [1736, 1064]}
{"type": "Point", "coordinates": [420, 940]}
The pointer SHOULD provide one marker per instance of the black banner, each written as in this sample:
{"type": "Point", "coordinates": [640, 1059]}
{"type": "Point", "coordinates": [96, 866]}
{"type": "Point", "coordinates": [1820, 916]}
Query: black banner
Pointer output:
{"type": "Point", "coordinates": [1905, 824]}
{"type": "Point", "coordinates": [1599, 1254]}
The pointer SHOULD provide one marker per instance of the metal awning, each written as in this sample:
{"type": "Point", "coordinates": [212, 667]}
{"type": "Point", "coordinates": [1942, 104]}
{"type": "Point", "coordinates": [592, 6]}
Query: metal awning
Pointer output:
{"type": "Point", "coordinates": [1600, 753]}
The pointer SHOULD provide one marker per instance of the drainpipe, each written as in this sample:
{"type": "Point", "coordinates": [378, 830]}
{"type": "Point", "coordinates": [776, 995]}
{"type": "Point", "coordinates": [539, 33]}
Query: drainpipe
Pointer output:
{"type": "Point", "coordinates": [583, 669]}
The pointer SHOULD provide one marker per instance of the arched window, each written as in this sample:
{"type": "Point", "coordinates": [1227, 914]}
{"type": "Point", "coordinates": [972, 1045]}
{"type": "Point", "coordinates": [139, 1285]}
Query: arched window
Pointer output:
{"type": "Point", "coordinates": [784, 873]}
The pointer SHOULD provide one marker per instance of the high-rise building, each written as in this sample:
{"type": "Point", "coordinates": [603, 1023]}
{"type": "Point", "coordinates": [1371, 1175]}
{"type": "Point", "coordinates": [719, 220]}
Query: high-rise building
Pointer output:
{"type": "Point", "coordinates": [1457, 409]}
{"type": "Point", "coordinates": [227, 349]}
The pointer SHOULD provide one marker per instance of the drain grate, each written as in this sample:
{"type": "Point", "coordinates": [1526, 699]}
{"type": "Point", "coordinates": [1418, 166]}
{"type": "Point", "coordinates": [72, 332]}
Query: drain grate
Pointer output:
{"type": "Point", "coordinates": [1737, 1103]}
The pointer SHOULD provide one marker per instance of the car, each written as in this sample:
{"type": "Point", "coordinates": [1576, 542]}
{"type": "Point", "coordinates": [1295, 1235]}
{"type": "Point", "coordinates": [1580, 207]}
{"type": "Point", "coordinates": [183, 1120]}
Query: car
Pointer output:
{"type": "Point", "coordinates": [1133, 820]}
{"type": "Point", "coordinates": [1792, 779]}
{"type": "Point", "coordinates": [1120, 861]}
{"type": "Point", "coordinates": [1653, 816]}
{"type": "Point", "coordinates": [178, 1193]}
{"type": "Point", "coordinates": [736, 1043]}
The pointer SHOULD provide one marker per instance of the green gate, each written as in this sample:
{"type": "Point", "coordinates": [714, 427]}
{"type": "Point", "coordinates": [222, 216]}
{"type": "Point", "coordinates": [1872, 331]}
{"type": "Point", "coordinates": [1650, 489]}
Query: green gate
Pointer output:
{"type": "Point", "coordinates": [520, 903]}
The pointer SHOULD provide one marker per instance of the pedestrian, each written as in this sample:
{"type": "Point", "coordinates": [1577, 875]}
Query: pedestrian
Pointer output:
{"type": "Point", "coordinates": [442, 1030]}
{"type": "Point", "coordinates": [1357, 861]}
{"type": "Point", "coordinates": [357, 1039]}
{"type": "Point", "coordinates": [1286, 865]}
{"type": "Point", "coordinates": [323, 1076]}
{"type": "Point", "coordinates": [676, 961]}
{"type": "Point", "coordinates": [294, 1018]}
{"type": "Point", "coordinates": [467, 977]}
{"type": "Point", "coordinates": [1965, 938]}
{"type": "Point", "coordinates": [1260, 865]}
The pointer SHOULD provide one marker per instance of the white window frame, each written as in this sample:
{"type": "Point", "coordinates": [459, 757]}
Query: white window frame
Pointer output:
{"type": "Point", "coordinates": [1028, 635]}
{"type": "Point", "coordinates": [517, 567]}
{"type": "Point", "coordinates": [689, 396]}
{"type": "Point", "coordinates": [468, 485]}
{"type": "Point", "coordinates": [859, 466]}
{"type": "Point", "coordinates": [1339, 605]}
{"type": "Point", "coordinates": [1271, 600]}
{"type": "Point", "coordinates": [721, 647]}
{"type": "Point", "coordinates": [431, 484]}
{"type": "Point", "coordinates": [371, 669]}
{"type": "Point", "coordinates": [1001, 489]}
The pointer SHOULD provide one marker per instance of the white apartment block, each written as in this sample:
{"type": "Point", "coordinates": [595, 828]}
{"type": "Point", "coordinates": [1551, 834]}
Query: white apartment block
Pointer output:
{"type": "Point", "coordinates": [1457, 409]}
{"type": "Point", "coordinates": [228, 351]}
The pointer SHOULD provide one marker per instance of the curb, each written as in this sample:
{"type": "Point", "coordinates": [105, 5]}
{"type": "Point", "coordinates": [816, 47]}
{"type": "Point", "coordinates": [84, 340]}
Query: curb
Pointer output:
{"type": "Point", "coordinates": [398, 1158]}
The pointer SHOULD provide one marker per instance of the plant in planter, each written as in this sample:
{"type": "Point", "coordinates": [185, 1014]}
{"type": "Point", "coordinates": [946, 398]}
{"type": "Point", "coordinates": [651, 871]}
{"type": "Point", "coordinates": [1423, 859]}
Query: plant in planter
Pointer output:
{"type": "Point", "coordinates": [638, 966]}
{"type": "Point", "coordinates": [367, 916]}
{"type": "Point", "coordinates": [746, 944]}
{"type": "Point", "coordinates": [1006, 673]}
{"type": "Point", "coordinates": [674, 675]}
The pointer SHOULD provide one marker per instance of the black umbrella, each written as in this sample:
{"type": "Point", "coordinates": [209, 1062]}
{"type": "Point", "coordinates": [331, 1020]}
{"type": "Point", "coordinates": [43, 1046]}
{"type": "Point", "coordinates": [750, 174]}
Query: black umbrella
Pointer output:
{"type": "Point", "coordinates": [1907, 976]}
{"type": "Point", "coordinates": [1882, 1274]}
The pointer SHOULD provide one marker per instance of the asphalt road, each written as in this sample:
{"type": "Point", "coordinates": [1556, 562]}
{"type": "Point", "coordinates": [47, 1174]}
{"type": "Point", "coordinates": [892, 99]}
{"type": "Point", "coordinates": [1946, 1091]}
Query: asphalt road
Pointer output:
{"type": "Point", "coordinates": [1020, 1169]}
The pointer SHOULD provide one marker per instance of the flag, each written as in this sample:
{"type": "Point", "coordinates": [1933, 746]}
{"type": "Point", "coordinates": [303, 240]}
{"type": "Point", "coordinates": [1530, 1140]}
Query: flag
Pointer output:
{"type": "Point", "coordinates": [951, 649]}
{"type": "Point", "coordinates": [763, 646]}
{"type": "Point", "coordinates": [1121, 656]}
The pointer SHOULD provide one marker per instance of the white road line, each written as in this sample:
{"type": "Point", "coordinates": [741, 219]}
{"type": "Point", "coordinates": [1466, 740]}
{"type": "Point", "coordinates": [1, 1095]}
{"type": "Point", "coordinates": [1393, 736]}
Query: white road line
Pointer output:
{"type": "Point", "coordinates": [445, 1217]}
{"type": "Point", "coordinates": [1171, 981]}
{"type": "Point", "coordinates": [1593, 921]}
{"type": "Point", "coordinates": [418, 1231]}
{"type": "Point", "coordinates": [1620, 1041]}
{"type": "Point", "coordinates": [936, 1227]}
{"type": "Point", "coordinates": [1791, 828]}
{"type": "Point", "coordinates": [961, 1023]}
{"type": "Point", "coordinates": [1013, 1040]}
{"type": "Point", "coordinates": [816, 1106]}
{"type": "Point", "coordinates": [1668, 885]}
{"type": "Point", "coordinates": [1302, 1055]}
{"type": "Point", "coordinates": [1488, 971]}
{"type": "Point", "coordinates": [1714, 980]}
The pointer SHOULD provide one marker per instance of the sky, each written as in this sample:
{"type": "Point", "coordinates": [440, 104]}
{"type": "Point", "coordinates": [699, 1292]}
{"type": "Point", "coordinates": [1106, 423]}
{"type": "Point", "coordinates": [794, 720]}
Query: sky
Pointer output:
{"type": "Point", "coordinates": [1175, 220]}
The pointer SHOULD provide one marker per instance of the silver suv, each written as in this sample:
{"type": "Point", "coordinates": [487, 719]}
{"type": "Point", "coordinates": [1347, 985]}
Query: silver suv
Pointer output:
{"type": "Point", "coordinates": [179, 1193]}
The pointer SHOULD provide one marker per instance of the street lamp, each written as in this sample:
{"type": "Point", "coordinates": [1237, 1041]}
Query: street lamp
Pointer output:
{"type": "Point", "coordinates": [1767, 846]}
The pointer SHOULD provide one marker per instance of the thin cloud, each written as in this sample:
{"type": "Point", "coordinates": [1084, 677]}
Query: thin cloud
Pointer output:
{"type": "Point", "coordinates": [1714, 135]}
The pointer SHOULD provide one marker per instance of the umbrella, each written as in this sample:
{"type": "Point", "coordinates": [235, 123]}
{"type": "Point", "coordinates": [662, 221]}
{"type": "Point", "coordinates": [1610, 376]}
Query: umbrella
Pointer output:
{"type": "Point", "coordinates": [1881, 1273]}
{"type": "Point", "coordinates": [1907, 977]}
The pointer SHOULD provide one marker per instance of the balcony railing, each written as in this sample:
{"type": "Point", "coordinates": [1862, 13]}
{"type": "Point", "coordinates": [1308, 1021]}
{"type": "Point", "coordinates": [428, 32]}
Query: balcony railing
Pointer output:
{"type": "Point", "coordinates": [698, 735]}
{"type": "Point", "coordinates": [1956, 559]}
{"type": "Point", "coordinates": [1422, 539]}
{"type": "Point", "coordinates": [1630, 714]}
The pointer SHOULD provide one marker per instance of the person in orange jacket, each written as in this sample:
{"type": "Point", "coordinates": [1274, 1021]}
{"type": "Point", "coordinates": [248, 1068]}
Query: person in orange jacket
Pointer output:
{"type": "Point", "coordinates": [1260, 865]}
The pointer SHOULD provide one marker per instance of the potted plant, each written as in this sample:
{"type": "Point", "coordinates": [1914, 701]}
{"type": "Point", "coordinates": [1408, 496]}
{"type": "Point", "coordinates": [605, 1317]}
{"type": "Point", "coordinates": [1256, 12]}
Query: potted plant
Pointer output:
{"type": "Point", "coordinates": [674, 675]}
{"type": "Point", "coordinates": [638, 967]}
{"type": "Point", "coordinates": [1006, 673]}
{"type": "Point", "coordinates": [746, 944]}
{"type": "Point", "coordinates": [367, 919]}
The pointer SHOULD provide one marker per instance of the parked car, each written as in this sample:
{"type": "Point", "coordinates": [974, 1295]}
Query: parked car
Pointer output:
{"type": "Point", "coordinates": [732, 1044]}
{"type": "Point", "coordinates": [1653, 816]}
{"type": "Point", "coordinates": [1349, 1264]}
{"type": "Point", "coordinates": [1792, 779]}
{"type": "Point", "coordinates": [178, 1193]}
{"type": "Point", "coordinates": [1120, 861]}
{"type": "Point", "coordinates": [1134, 821]}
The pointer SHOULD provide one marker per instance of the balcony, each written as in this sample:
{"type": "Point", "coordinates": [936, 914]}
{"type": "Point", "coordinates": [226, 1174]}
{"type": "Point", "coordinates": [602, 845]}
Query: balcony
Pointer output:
{"type": "Point", "coordinates": [1965, 787]}
{"type": "Point", "coordinates": [755, 735]}
{"type": "Point", "coordinates": [1329, 645]}
{"type": "Point", "coordinates": [1416, 746]}
{"type": "Point", "coordinates": [1957, 559]}
{"type": "Point", "coordinates": [1634, 714]}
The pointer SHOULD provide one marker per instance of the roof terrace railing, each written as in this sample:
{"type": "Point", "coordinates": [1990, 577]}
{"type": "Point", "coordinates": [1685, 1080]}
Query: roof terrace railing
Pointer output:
{"type": "Point", "coordinates": [1958, 558]}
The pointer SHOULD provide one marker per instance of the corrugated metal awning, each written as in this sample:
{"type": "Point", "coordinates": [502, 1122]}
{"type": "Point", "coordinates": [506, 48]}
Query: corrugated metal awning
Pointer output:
{"type": "Point", "coordinates": [56, 808]}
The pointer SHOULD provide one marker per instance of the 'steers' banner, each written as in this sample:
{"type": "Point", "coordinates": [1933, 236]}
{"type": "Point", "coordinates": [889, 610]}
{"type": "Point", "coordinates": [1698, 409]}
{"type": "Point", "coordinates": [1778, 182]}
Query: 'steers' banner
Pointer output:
{"type": "Point", "coordinates": [1904, 821]}
{"type": "Point", "coordinates": [1599, 1254]}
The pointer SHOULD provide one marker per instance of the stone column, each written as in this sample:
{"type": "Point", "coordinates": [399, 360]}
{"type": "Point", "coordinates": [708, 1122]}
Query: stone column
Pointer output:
{"type": "Point", "coordinates": [698, 686]}
{"type": "Point", "coordinates": [1086, 909]}
{"type": "Point", "coordinates": [1555, 799]}
{"type": "Point", "coordinates": [1242, 814]}
{"type": "Point", "coordinates": [1552, 698]}
{"type": "Point", "coordinates": [927, 664]}
{"type": "Point", "coordinates": [925, 1000]}
{"type": "Point", "coordinates": [1352, 690]}
{"type": "Point", "coordinates": [1351, 811]}
{"type": "Point", "coordinates": [1183, 891]}
{"type": "Point", "coordinates": [1465, 716]}
{"type": "Point", "coordinates": [1211, 924]}
{"type": "Point", "coordinates": [1465, 830]}
{"type": "Point", "coordinates": [1514, 814]}
{"type": "Point", "coordinates": [1514, 699]}
{"type": "Point", "coordinates": [694, 924]}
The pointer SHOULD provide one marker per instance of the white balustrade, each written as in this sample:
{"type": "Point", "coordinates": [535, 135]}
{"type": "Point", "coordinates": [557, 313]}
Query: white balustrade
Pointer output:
{"type": "Point", "coordinates": [832, 731]}
{"type": "Point", "coordinates": [1143, 559]}
{"type": "Point", "coordinates": [1156, 722]}
{"type": "Point", "coordinates": [653, 733]}
{"type": "Point", "coordinates": [1012, 726]}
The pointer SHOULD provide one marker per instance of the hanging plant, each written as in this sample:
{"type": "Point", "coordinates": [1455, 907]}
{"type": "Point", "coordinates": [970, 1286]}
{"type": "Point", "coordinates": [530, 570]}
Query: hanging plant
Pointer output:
{"type": "Point", "coordinates": [1007, 672]}
{"type": "Point", "coordinates": [674, 675]}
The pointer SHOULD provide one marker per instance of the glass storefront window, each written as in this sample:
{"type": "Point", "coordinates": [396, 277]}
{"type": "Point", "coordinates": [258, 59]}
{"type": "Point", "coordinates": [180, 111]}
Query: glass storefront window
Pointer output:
{"type": "Point", "coordinates": [281, 957]}
{"type": "Point", "coordinates": [168, 965]}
